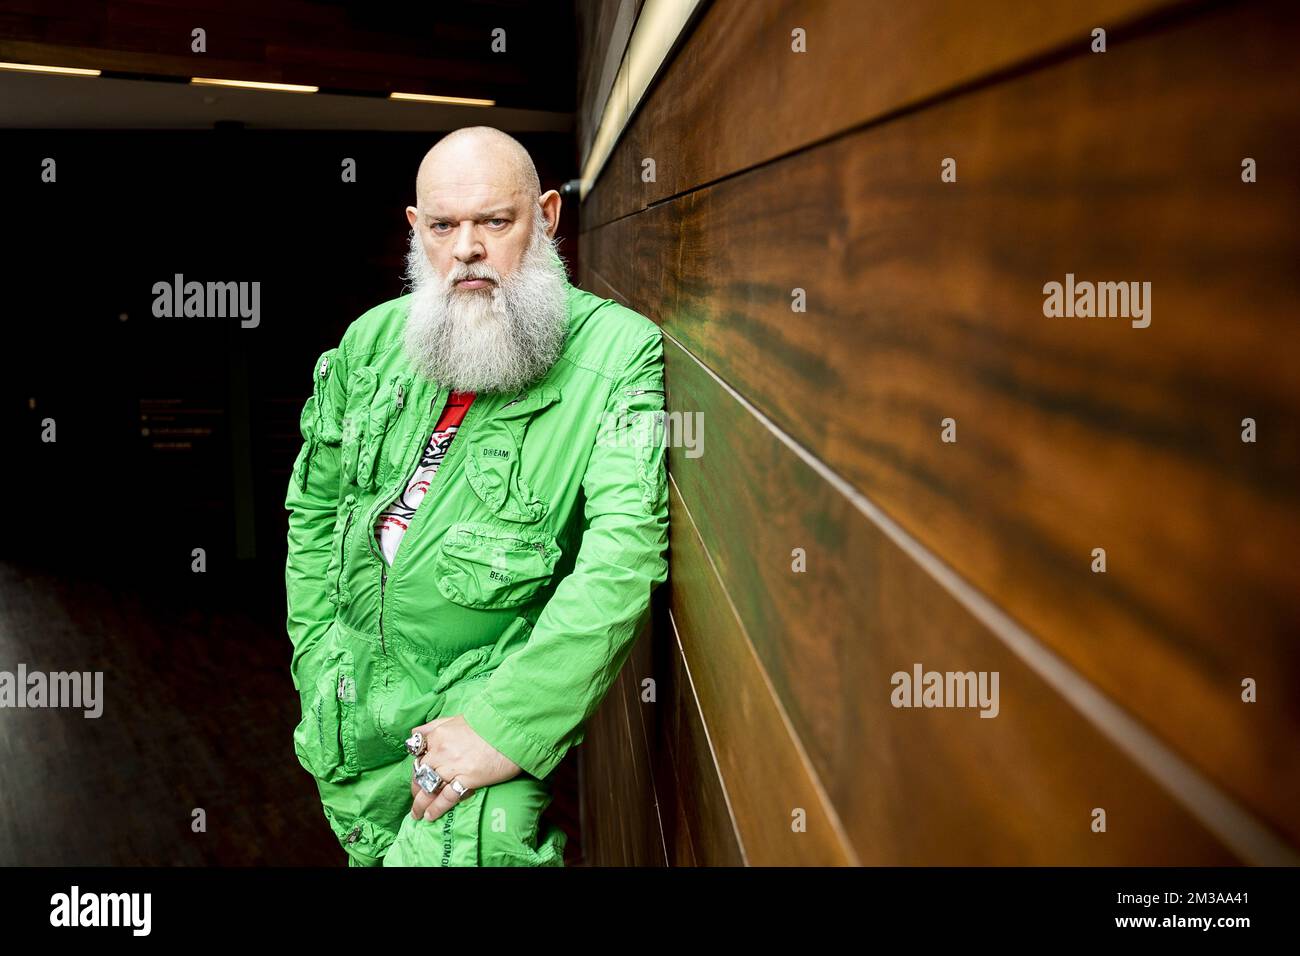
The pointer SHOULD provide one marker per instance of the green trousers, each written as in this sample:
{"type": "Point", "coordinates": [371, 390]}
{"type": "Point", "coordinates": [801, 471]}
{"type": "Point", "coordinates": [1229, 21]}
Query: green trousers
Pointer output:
{"type": "Point", "coordinates": [364, 775]}
{"type": "Point", "coordinates": [498, 825]}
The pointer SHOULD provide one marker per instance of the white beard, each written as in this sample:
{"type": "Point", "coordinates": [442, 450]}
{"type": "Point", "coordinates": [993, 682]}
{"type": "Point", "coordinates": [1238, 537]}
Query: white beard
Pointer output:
{"type": "Point", "coordinates": [497, 339]}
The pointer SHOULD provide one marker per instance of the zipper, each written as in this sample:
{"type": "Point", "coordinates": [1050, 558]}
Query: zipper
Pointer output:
{"type": "Point", "coordinates": [343, 549]}
{"type": "Point", "coordinates": [383, 584]}
{"type": "Point", "coordinates": [419, 438]}
{"type": "Point", "coordinates": [323, 371]}
{"type": "Point", "coordinates": [454, 453]}
{"type": "Point", "coordinates": [345, 691]}
{"type": "Point", "coordinates": [629, 392]}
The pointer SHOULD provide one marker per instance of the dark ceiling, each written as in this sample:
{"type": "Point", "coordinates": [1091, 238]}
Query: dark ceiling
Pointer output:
{"type": "Point", "coordinates": [347, 47]}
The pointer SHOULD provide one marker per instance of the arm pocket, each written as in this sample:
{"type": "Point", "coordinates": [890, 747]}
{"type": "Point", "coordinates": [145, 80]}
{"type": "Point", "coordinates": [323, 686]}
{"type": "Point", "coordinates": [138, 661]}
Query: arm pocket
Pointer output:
{"type": "Point", "coordinates": [319, 421]}
{"type": "Point", "coordinates": [356, 422]}
{"type": "Point", "coordinates": [336, 571]}
{"type": "Point", "coordinates": [373, 467]}
{"type": "Point", "coordinates": [643, 415]}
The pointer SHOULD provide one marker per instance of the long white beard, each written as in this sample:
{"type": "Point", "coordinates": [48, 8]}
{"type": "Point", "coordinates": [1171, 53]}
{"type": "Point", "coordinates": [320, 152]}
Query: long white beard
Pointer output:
{"type": "Point", "coordinates": [497, 339]}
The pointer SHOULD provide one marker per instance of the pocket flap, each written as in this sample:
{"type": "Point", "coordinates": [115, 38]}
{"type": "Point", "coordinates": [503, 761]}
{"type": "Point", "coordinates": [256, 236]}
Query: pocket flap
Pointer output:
{"type": "Point", "coordinates": [534, 400]}
{"type": "Point", "coordinates": [481, 565]}
{"type": "Point", "coordinates": [461, 667]}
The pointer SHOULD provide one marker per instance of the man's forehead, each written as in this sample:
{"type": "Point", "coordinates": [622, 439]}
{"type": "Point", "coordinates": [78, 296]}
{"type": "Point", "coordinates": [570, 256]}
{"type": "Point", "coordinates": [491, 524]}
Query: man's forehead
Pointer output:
{"type": "Point", "coordinates": [468, 197]}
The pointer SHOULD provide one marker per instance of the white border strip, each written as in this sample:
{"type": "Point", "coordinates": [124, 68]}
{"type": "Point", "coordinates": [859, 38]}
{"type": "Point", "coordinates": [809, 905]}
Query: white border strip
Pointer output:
{"type": "Point", "coordinates": [1222, 815]}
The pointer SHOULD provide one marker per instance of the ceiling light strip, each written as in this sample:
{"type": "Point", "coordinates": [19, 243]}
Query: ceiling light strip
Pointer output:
{"type": "Point", "coordinates": [38, 68]}
{"type": "Point", "coordinates": [254, 85]}
{"type": "Point", "coordinates": [430, 98]}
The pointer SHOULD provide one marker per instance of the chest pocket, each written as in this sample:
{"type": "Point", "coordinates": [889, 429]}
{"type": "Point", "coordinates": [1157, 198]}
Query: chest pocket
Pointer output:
{"type": "Point", "coordinates": [374, 407]}
{"type": "Point", "coordinates": [492, 465]}
{"type": "Point", "coordinates": [482, 566]}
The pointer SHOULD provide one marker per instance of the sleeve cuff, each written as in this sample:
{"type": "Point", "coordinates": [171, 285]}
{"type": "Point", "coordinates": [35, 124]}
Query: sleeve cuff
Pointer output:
{"type": "Point", "coordinates": [533, 755]}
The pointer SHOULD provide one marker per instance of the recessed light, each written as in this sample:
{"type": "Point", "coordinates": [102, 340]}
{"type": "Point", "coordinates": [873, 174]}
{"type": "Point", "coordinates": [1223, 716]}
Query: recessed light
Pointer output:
{"type": "Point", "coordinates": [255, 85]}
{"type": "Point", "coordinates": [37, 68]}
{"type": "Point", "coordinates": [430, 98]}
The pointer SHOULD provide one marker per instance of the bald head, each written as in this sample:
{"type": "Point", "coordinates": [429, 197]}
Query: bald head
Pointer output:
{"type": "Point", "coordinates": [478, 155]}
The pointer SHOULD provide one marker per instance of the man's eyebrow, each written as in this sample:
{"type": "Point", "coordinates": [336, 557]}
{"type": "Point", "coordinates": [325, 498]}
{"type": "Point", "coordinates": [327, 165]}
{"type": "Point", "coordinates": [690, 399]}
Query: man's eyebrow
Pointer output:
{"type": "Point", "coordinates": [488, 214]}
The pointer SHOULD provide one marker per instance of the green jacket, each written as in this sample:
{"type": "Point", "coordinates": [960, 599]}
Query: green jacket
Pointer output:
{"type": "Point", "coordinates": [528, 566]}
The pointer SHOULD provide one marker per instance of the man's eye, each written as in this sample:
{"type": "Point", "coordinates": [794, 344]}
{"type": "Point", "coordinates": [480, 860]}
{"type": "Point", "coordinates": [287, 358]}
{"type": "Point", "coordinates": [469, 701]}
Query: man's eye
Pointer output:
{"type": "Point", "coordinates": [440, 226]}
{"type": "Point", "coordinates": [496, 222]}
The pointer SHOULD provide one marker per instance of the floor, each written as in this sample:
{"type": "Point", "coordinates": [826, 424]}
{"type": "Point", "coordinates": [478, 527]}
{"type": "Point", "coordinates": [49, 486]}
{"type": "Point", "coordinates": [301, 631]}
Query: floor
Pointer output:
{"type": "Point", "coordinates": [199, 713]}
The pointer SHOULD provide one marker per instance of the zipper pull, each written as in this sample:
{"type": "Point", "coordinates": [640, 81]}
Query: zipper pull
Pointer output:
{"type": "Point", "coordinates": [401, 397]}
{"type": "Point", "coordinates": [343, 683]}
{"type": "Point", "coordinates": [324, 367]}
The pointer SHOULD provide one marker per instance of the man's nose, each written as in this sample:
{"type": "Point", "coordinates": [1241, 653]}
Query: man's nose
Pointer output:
{"type": "Point", "coordinates": [467, 247]}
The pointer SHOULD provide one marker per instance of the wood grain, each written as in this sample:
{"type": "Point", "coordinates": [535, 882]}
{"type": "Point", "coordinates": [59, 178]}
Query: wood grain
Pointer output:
{"type": "Point", "coordinates": [911, 786]}
{"type": "Point", "coordinates": [766, 775]}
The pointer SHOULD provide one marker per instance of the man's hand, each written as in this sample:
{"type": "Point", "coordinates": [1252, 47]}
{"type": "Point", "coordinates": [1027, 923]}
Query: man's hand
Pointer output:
{"type": "Point", "coordinates": [456, 752]}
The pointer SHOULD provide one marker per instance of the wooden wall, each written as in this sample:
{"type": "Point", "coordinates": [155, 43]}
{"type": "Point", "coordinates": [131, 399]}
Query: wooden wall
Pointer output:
{"type": "Point", "coordinates": [1120, 691]}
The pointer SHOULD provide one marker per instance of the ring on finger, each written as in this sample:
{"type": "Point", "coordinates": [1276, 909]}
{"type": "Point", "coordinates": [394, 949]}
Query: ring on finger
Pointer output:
{"type": "Point", "coordinates": [428, 778]}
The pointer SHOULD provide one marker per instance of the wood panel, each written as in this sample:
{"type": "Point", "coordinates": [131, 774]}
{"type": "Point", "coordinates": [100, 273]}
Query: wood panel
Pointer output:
{"type": "Point", "coordinates": [603, 785]}
{"type": "Point", "coordinates": [925, 301]}
{"type": "Point", "coordinates": [645, 741]}
{"type": "Point", "coordinates": [736, 95]}
{"type": "Point", "coordinates": [911, 786]}
{"type": "Point", "coordinates": [620, 817]}
{"type": "Point", "coordinates": [705, 809]}
{"type": "Point", "coordinates": [766, 774]}
{"type": "Point", "coordinates": [603, 30]}
{"type": "Point", "coordinates": [702, 809]}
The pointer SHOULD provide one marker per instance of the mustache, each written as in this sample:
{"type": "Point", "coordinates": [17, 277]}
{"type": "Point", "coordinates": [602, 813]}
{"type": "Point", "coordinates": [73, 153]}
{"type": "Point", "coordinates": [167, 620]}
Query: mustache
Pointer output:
{"type": "Point", "coordinates": [464, 270]}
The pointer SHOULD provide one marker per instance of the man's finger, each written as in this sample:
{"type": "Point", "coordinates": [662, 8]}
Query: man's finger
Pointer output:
{"type": "Point", "coordinates": [444, 800]}
{"type": "Point", "coordinates": [428, 728]}
{"type": "Point", "coordinates": [422, 799]}
{"type": "Point", "coordinates": [421, 802]}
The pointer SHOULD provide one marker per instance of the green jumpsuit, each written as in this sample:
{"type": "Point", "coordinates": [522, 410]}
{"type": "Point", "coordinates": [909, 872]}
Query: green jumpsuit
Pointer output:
{"type": "Point", "coordinates": [513, 599]}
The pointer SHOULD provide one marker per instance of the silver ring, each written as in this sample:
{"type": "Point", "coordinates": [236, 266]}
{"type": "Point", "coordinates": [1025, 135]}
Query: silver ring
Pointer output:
{"type": "Point", "coordinates": [459, 787]}
{"type": "Point", "coordinates": [428, 778]}
{"type": "Point", "coordinates": [415, 744]}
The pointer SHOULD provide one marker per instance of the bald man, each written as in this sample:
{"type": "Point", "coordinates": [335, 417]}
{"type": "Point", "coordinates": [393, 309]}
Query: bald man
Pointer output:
{"type": "Point", "coordinates": [477, 520]}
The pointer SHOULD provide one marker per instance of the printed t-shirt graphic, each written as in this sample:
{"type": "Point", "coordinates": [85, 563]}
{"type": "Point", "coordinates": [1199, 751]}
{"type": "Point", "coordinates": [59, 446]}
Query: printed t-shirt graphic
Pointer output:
{"type": "Point", "coordinates": [396, 518]}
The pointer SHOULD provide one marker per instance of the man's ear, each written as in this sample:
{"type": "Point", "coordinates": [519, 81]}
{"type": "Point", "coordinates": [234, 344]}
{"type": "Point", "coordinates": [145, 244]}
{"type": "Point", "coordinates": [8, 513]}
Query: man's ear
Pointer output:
{"type": "Point", "coordinates": [412, 214]}
{"type": "Point", "coordinates": [550, 202]}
